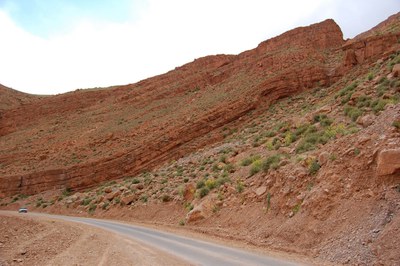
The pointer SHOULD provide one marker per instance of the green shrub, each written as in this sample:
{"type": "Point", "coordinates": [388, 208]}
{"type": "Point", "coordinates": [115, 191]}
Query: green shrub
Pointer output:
{"type": "Point", "coordinates": [378, 105]}
{"type": "Point", "coordinates": [314, 167]}
{"type": "Point", "coordinates": [92, 208]}
{"type": "Point", "coordinates": [301, 129]}
{"type": "Point", "coordinates": [215, 167]}
{"type": "Point", "coordinates": [396, 124]}
{"type": "Point", "coordinates": [67, 192]}
{"type": "Point", "coordinates": [86, 201]}
{"type": "Point", "coordinates": [229, 168]}
{"type": "Point", "coordinates": [105, 205]}
{"type": "Point", "coordinates": [239, 186]}
{"type": "Point", "coordinates": [304, 146]}
{"type": "Point", "coordinates": [322, 119]}
{"type": "Point", "coordinates": [363, 101]}
{"type": "Point", "coordinates": [352, 112]}
{"type": "Point", "coordinates": [250, 160]}
{"type": "Point", "coordinates": [255, 167]}
{"type": "Point", "coordinates": [384, 81]}
{"type": "Point", "coordinates": [203, 192]}
{"type": "Point", "coordinates": [221, 180]}
{"type": "Point", "coordinates": [296, 208]}
{"type": "Point", "coordinates": [381, 89]}
{"type": "Point", "coordinates": [200, 184]}
{"type": "Point", "coordinates": [210, 183]}
{"type": "Point", "coordinates": [271, 162]}
{"type": "Point", "coordinates": [268, 201]}
{"type": "Point", "coordinates": [289, 138]}
{"type": "Point", "coordinates": [144, 198]}
{"type": "Point", "coordinates": [222, 158]}
{"type": "Point", "coordinates": [370, 76]}
{"type": "Point", "coordinates": [135, 181]}
{"type": "Point", "coordinates": [269, 134]}
{"type": "Point", "coordinates": [349, 89]}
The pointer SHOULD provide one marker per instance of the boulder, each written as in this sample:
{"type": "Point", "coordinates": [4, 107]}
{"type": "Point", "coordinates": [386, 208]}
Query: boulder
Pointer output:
{"type": "Point", "coordinates": [112, 195]}
{"type": "Point", "coordinates": [201, 211]}
{"type": "Point", "coordinates": [388, 162]}
{"type": "Point", "coordinates": [396, 70]}
{"type": "Point", "coordinates": [366, 120]}
{"type": "Point", "coordinates": [323, 158]}
{"type": "Point", "coordinates": [261, 190]}
{"type": "Point", "coordinates": [108, 190]}
{"type": "Point", "coordinates": [324, 110]}
{"type": "Point", "coordinates": [136, 186]}
{"type": "Point", "coordinates": [128, 199]}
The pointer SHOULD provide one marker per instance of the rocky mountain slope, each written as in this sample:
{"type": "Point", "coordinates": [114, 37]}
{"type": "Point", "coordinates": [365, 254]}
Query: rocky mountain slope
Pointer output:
{"type": "Point", "coordinates": [293, 145]}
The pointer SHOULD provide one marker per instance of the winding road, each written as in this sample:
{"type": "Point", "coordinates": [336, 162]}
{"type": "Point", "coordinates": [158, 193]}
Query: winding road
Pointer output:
{"type": "Point", "coordinates": [196, 252]}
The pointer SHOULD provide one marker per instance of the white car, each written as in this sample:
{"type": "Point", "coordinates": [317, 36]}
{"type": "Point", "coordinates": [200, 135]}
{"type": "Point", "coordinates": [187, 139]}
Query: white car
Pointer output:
{"type": "Point", "coordinates": [23, 210]}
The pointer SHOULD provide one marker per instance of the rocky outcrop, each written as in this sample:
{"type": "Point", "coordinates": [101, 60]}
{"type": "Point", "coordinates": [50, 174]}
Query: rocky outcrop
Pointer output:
{"type": "Point", "coordinates": [360, 50]}
{"type": "Point", "coordinates": [388, 162]}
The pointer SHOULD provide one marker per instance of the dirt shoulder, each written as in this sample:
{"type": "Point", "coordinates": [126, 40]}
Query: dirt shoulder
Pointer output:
{"type": "Point", "coordinates": [32, 240]}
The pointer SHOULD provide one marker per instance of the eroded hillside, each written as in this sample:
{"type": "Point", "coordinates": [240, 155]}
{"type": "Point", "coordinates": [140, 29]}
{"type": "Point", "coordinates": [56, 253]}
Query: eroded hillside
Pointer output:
{"type": "Point", "coordinates": [292, 146]}
{"type": "Point", "coordinates": [81, 138]}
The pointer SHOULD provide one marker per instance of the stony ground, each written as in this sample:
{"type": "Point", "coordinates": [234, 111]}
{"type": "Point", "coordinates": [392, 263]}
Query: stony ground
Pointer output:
{"type": "Point", "coordinates": [42, 241]}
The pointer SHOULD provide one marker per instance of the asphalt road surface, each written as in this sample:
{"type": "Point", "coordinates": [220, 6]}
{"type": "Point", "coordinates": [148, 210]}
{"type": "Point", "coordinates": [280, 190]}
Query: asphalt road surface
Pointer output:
{"type": "Point", "coordinates": [196, 252]}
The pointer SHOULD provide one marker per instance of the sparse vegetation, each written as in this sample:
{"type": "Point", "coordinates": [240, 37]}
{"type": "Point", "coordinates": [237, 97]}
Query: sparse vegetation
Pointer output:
{"type": "Point", "coordinates": [271, 162]}
{"type": "Point", "coordinates": [396, 124]}
{"type": "Point", "coordinates": [314, 167]}
{"type": "Point", "coordinates": [256, 167]}
{"type": "Point", "coordinates": [203, 192]}
{"type": "Point", "coordinates": [239, 186]}
{"type": "Point", "coordinates": [250, 160]}
{"type": "Point", "coordinates": [92, 208]}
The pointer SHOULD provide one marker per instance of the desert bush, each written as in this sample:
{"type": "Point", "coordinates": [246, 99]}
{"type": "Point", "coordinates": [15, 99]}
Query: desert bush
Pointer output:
{"type": "Point", "coordinates": [229, 168]}
{"type": "Point", "coordinates": [144, 198]}
{"type": "Point", "coordinates": [378, 105]}
{"type": "Point", "coordinates": [239, 186]}
{"type": "Point", "coordinates": [249, 160]}
{"type": "Point", "coordinates": [363, 101]}
{"type": "Point", "coordinates": [352, 112]}
{"type": "Point", "coordinates": [92, 208]}
{"type": "Point", "coordinates": [86, 201]}
{"type": "Point", "coordinates": [255, 167]}
{"type": "Point", "coordinates": [271, 162]}
{"type": "Point", "coordinates": [314, 167]}
{"type": "Point", "coordinates": [396, 124]}
{"type": "Point", "coordinates": [200, 184]}
{"type": "Point", "coordinates": [203, 192]}
{"type": "Point", "coordinates": [323, 119]}
{"type": "Point", "coordinates": [289, 138]}
{"type": "Point", "coordinates": [135, 181]}
{"type": "Point", "coordinates": [210, 183]}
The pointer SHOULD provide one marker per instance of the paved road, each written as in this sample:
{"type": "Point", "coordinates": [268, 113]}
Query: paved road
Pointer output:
{"type": "Point", "coordinates": [196, 252]}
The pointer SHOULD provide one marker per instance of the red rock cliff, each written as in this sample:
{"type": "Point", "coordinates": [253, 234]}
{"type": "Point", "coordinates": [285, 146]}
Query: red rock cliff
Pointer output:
{"type": "Point", "coordinates": [85, 137]}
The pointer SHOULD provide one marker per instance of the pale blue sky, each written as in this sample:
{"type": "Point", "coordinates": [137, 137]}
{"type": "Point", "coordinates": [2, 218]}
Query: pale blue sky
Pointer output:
{"type": "Point", "coordinates": [54, 46]}
{"type": "Point", "coordinates": [45, 18]}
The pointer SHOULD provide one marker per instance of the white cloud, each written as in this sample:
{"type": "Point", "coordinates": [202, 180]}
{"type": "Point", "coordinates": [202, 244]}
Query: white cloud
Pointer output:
{"type": "Point", "coordinates": [168, 34]}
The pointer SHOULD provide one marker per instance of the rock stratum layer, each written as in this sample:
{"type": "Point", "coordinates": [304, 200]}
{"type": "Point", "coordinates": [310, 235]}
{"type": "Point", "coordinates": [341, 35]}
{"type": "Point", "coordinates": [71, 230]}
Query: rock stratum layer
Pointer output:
{"type": "Point", "coordinates": [79, 139]}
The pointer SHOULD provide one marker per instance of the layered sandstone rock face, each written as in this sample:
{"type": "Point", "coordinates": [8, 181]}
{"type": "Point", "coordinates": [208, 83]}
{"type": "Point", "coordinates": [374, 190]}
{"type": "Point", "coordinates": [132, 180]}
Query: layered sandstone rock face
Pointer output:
{"type": "Point", "coordinates": [82, 138]}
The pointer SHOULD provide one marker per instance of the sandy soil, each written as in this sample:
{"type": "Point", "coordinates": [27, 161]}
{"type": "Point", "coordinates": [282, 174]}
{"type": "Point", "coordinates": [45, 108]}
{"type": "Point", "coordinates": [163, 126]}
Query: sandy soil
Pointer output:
{"type": "Point", "coordinates": [26, 240]}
